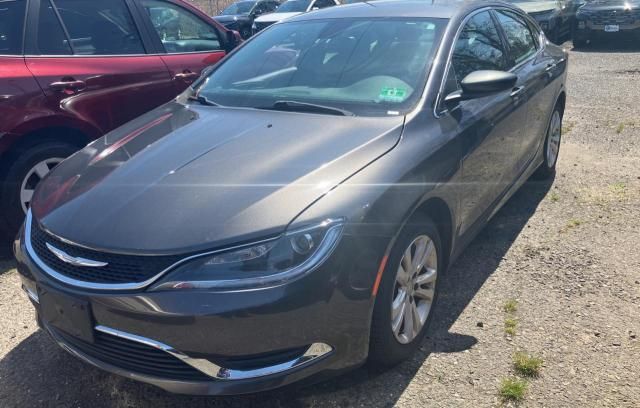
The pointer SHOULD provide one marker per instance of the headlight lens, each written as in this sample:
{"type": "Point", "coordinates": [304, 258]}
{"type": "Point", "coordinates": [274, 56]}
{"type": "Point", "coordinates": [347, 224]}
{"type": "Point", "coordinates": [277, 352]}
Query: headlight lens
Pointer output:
{"type": "Point", "coordinates": [263, 264]}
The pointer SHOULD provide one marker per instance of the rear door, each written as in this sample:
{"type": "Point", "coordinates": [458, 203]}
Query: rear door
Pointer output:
{"type": "Point", "coordinates": [528, 63]}
{"type": "Point", "coordinates": [91, 62]}
{"type": "Point", "coordinates": [188, 40]}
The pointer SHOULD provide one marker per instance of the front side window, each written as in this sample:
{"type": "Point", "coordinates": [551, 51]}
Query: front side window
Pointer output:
{"type": "Point", "coordinates": [11, 26]}
{"type": "Point", "coordinates": [368, 67]}
{"type": "Point", "coordinates": [102, 27]}
{"type": "Point", "coordinates": [180, 30]}
{"type": "Point", "coordinates": [519, 37]}
{"type": "Point", "coordinates": [478, 48]}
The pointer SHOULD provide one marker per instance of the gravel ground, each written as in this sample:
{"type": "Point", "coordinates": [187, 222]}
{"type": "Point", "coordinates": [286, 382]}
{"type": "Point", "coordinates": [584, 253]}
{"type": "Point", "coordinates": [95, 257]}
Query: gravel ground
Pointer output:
{"type": "Point", "coordinates": [567, 252]}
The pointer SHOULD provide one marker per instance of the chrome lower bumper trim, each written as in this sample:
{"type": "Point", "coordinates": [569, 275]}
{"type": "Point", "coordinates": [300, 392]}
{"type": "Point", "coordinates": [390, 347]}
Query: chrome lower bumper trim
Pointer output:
{"type": "Point", "coordinates": [315, 352]}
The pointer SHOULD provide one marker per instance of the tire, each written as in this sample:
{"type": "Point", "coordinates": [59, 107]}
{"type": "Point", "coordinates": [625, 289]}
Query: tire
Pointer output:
{"type": "Point", "coordinates": [385, 346]}
{"type": "Point", "coordinates": [24, 163]}
{"type": "Point", "coordinates": [245, 33]}
{"type": "Point", "coordinates": [579, 43]}
{"type": "Point", "coordinates": [547, 169]}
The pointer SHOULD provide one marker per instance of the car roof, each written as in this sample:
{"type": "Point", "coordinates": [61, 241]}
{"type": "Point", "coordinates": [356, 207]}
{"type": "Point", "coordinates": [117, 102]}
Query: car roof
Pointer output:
{"type": "Point", "coordinates": [446, 9]}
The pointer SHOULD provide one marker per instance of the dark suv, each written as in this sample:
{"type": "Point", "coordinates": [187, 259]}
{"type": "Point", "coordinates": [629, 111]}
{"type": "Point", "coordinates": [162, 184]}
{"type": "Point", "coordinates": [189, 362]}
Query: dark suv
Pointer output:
{"type": "Point", "coordinates": [605, 19]}
{"type": "Point", "coordinates": [72, 70]}
{"type": "Point", "coordinates": [240, 15]}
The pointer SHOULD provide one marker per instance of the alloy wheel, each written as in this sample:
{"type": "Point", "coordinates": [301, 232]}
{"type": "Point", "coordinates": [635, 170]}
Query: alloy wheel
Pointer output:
{"type": "Point", "coordinates": [33, 177]}
{"type": "Point", "coordinates": [553, 145]}
{"type": "Point", "coordinates": [414, 289]}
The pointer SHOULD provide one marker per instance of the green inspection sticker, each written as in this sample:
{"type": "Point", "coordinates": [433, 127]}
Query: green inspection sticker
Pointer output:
{"type": "Point", "coordinates": [393, 94]}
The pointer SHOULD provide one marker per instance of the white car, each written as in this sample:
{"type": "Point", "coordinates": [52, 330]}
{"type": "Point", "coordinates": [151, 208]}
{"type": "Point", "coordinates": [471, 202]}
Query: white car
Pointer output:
{"type": "Point", "coordinates": [291, 8]}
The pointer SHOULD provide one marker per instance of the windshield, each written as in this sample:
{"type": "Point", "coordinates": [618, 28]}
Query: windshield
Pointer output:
{"type": "Point", "coordinates": [294, 6]}
{"type": "Point", "coordinates": [367, 67]}
{"type": "Point", "coordinates": [243, 7]}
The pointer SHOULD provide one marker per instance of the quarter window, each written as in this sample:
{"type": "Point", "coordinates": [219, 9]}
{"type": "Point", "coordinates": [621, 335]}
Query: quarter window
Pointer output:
{"type": "Point", "coordinates": [180, 30]}
{"type": "Point", "coordinates": [478, 48]}
{"type": "Point", "coordinates": [102, 27]}
{"type": "Point", "coordinates": [519, 37]}
{"type": "Point", "coordinates": [11, 23]}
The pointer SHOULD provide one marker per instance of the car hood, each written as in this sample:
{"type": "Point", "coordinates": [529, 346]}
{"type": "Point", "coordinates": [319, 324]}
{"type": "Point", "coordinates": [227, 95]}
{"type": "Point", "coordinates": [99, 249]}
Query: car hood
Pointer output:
{"type": "Point", "coordinates": [534, 7]}
{"type": "Point", "coordinates": [595, 5]}
{"type": "Point", "coordinates": [184, 178]}
{"type": "Point", "coordinates": [275, 17]}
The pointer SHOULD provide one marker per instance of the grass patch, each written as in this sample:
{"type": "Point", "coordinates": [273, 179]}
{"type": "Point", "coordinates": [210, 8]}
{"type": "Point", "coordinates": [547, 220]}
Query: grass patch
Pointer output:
{"type": "Point", "coordinates": [554, 197]}
{"type": "Point", "coordinates": [510, 325]}
{"type": "Point", "coordinates": [526, 364]}
{"type": "Point", "coordinates": [513, 389]}
{"type": "Point", "coordinates": [619, 189]}
{"type": "Point", "coordinates": [619, 128]}
{"type": "Point", "coordinates": [511, 306]}
{"type": "Point", "coordinates": [568, 127]}
{"type": "Point", "coordinates": [572, 223]}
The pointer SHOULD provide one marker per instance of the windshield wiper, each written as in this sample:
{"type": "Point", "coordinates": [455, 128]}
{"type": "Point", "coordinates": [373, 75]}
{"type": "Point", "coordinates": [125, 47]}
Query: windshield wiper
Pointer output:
{"type": "Point", "coordinates": [295, 106]}
{"type": "Point", "coordinates": [202, 100]}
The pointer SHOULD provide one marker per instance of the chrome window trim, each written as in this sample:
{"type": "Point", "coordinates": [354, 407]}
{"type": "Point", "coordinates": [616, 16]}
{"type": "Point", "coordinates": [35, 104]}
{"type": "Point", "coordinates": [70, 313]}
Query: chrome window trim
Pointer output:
{"type": "Point", "coordinates": [314, 353]}
{"type": "Point", "coordinates": [439, 113]}
{"type": "Point", "coordinates": [116, 55]}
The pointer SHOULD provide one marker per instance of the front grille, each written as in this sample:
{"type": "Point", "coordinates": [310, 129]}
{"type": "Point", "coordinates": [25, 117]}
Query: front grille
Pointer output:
{"type": "Point", "coordinates": [134, 357]}
{"type": "Point", "coordinates": [120, 268]}
{"type": "Point", "coordinates": [607, 17]}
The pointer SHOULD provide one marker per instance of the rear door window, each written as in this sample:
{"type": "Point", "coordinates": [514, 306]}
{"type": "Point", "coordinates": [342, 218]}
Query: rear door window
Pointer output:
{"type": "Point", "coordinates": [519, 37]}
{"type": "Point", "coordinates": [102, 27]}
{"type": "Point", "coordinates": [180, 30]}
{"type": "Point", "coordinates": [11, 26]}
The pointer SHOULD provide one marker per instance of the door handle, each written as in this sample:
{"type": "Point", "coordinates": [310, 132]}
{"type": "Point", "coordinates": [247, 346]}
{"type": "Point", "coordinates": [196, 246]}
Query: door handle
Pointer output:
{"type": "Point", "coordinates": [69, 86]}
{"type": "Point", "coordinates": [515, 92]}
{"type": "Point", "coordinates": [550, 67]}
{"type": "Point", "coordinates": [186, 76]}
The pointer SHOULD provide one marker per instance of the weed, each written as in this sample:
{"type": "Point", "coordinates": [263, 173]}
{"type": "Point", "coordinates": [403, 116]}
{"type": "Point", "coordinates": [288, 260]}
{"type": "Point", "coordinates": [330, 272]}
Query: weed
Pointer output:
{"type": "Point", "coordinates": [527, 365]}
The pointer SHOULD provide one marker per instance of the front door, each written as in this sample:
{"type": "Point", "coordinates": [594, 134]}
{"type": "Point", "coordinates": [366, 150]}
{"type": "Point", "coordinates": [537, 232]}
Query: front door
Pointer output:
{"type": "Point", "coordinates": [91, 62]}
{"type": "Point", "coordinates": [188, 42]}
{"type": "Point", "coordinates": [488, 126]}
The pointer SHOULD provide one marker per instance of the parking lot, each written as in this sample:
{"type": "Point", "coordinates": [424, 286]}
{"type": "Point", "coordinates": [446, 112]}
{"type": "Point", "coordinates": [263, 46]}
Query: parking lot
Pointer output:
{"type": "Point", "coordinates": [566, 252]}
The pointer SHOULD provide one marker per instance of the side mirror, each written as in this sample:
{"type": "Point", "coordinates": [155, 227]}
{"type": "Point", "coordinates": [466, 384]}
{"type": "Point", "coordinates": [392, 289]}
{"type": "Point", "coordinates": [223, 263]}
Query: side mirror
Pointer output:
{"type": "Point", "coordinates": [233, 40]}
{"type": "Point", "coordinates": [482, 83]}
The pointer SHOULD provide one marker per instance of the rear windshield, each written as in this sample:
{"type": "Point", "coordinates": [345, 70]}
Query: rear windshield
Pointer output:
{"type": "Point", "coordinates": [242, 7]}
{"type": "Point", "coordinates": [294, 6]}
{"type": "Point", "coordinates": [370, 67]}
{"type": "Point", "coordinates": [11, 23]}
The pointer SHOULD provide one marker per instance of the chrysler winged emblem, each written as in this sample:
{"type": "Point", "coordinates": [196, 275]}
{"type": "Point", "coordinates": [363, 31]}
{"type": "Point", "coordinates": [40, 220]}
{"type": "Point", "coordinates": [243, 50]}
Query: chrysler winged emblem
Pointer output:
{"type": "Point", "coordinates": [76, 261]}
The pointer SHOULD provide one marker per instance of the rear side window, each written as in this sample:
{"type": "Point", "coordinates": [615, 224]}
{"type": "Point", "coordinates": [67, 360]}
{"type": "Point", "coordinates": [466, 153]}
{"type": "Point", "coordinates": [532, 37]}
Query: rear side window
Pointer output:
{"type": "Point", "coordinates": [180, 30]}
{"type": "Point", "coordinates": [102, 27]}
{"type": "Point", "coordinates": [519, 37]}
{"type": "Point", "coordinates": [11, 26]}
{"type": "Point", "coordinates": [478, 47]}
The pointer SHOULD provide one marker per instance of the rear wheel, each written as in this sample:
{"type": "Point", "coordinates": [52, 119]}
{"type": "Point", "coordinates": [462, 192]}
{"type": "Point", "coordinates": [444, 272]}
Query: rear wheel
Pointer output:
{"type": "Point", "coordinates": [408, 292]}
{"type": "Point", "coordinates": [551, 145]}
{"type": "Point", "coordinates": [22, 176]}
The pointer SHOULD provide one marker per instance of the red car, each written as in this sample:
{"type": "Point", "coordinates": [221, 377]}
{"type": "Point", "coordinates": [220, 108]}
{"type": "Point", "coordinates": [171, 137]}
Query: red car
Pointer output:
{"type": "Point", "coordinates": [72, 70]}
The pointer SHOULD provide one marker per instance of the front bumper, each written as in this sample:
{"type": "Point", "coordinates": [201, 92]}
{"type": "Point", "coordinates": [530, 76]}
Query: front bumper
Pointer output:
{"type": "Point", "coordinates": [585, 29]}
{"type": "Point", "coordinates": [236, 342]}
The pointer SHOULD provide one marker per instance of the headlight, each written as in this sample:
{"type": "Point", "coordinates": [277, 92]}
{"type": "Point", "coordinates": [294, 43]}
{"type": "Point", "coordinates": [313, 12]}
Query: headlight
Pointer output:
{"type": "Point", "coordinates": [263, 264]}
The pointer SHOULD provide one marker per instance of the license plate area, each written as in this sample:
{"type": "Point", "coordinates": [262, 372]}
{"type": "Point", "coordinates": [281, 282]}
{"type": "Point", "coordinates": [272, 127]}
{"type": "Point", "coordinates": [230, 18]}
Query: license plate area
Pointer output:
{"type": "Point", "coordinates": [612, 28]}
{"type": "Point", "coordinates": [65, 312]}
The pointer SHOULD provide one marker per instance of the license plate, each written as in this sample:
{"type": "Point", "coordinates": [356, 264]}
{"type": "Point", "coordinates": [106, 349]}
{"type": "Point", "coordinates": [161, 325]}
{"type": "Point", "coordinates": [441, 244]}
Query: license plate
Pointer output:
{"type": "Point", "coordinates": [612, 28]}
{"type": "Point", "coordinates": [65, 312]}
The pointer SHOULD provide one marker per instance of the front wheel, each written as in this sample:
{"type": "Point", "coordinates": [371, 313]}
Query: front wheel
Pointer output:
{"type": "Point", "coordinates": [408, 291]}
{"type": "Point", "coordinates": [551, 146]}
